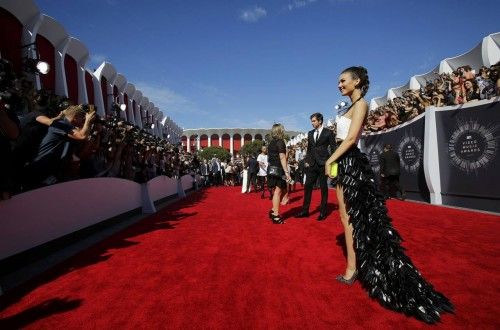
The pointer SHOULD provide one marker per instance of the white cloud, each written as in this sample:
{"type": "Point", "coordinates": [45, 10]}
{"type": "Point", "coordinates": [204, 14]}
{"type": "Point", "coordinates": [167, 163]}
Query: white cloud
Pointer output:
{"type": "Point", "coordinates": [252, 15]}
{"type": "Point", "coordinates": [296, 4]}
{"type": "Point", "coordinates": [167, 100]}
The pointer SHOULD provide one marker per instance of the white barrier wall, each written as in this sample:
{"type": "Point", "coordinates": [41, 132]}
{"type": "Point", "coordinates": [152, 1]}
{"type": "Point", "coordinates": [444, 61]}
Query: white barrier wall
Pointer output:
{"type": "Point", "coordinates": [42, 215]}
{"type": "Point", "coordinates": [460, 146]}
{"type": "Point", "coordinates": [431, 156]}
{"type": "Point", "coordinates": [161, 187]}
{"type": "Point", "coordinates": [463, 155]}
{"type": "Point", "coordinates": [187, 182]}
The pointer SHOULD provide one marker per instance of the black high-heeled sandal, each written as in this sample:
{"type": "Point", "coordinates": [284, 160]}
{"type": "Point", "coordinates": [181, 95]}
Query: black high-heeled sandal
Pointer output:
{"type": "Point", "coordinates": [277, 219]}
{"type": "Point", "coordinates": [271, 214]}
{"type": "Point", "coordinates": [348, 281]}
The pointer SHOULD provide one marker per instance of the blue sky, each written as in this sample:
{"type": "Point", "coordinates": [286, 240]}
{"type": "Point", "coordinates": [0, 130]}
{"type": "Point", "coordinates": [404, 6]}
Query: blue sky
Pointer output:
{"type": "Point", "coordinates": [242, 63]}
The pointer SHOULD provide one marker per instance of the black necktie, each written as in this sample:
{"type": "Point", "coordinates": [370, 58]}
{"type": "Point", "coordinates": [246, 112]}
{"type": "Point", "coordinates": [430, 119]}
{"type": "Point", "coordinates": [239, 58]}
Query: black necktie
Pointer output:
{"type": "Point", "coordinates": [317, 136]}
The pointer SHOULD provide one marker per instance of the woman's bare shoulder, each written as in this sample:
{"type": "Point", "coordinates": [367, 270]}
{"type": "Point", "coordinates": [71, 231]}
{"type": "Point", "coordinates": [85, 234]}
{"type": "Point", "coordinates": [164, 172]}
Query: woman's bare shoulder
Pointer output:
{"type": "Point", "coordinates": [360, 105]}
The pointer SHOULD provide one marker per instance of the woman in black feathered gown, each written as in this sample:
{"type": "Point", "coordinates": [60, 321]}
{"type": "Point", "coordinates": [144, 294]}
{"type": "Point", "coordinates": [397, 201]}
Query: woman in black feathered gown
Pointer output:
{"type": "Point", "coordinates": [374, 253]}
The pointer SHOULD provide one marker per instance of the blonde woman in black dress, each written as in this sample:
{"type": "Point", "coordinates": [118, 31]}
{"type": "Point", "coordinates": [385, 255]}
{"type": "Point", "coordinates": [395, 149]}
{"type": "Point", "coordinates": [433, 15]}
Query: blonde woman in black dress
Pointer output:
{"type": "Point", "coordinates": [277, 170]}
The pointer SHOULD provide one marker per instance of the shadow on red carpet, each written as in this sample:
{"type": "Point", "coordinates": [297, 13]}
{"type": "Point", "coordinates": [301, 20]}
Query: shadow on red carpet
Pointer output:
{"type": "Point", "coordinates": [226, 266]}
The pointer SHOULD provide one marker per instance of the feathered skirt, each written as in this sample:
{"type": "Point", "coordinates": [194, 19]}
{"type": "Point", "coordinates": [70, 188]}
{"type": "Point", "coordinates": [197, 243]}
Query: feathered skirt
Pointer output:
{"type": "Point", "coordinates": [383, 268]}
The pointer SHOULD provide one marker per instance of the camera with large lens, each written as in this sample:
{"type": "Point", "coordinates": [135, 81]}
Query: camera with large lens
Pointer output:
{"type": "Point", "coordinates": [63, 104]}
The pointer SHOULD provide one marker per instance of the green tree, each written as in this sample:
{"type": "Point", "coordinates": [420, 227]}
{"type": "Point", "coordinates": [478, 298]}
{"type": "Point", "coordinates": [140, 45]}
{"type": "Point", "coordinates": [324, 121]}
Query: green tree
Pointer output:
{"type": "Point", "coordinates": [252, 148]}
{"type": "Point", "coordinates": [219, 152]}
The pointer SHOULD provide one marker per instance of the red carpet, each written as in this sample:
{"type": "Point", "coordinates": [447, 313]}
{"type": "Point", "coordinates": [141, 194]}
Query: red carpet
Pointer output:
{"type": "Point", "coordinates": [215, 261]}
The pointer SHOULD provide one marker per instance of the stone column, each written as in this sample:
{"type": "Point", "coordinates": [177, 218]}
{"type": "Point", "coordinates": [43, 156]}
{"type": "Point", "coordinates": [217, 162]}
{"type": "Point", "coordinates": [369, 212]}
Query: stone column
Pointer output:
{"type": "Point", "coordinates": [220, 140]}
{"type": "Point", "coordinates": [209, 140]}
{"type": "Point", "coordinates": [253, 137]}
{"type": "Point", "coordinates": [198, 145]}
{"type": "Point", "coordinates": [242, 139]}
{"type": "Point", "coordinates": [231, 147]}
{"type": "Point", "coordinates": [188, 141]}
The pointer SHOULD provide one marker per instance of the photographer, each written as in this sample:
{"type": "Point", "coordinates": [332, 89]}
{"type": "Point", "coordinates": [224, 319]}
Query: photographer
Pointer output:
{"type": "Point", "coordinates": [55, 148]}
{"type": "Point", "coordinates": [9, 124]}
{"type": "Point", "coordinates": [92, 154]}
{"type": "Point", "coordinates": [34, 127]}
{"type": "Point", "coordinates": [9, 131]}
{"type": "Point", "coordinates": [151, 163]}
{"type": "Point", "coordinates": [115, 159]}
{"type": "Point", "coordinates": [9, 127]}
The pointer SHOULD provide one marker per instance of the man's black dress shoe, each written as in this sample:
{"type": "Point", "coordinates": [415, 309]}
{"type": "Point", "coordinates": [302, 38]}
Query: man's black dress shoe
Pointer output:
{"type": "Point", "coordinates": [302, 214]}
{"type": "Point", "coordinates": [321, 217]}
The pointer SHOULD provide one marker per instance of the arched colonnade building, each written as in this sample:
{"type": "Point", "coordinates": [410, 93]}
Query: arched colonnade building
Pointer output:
{"type": "Point", "coordinates": [232, 139]}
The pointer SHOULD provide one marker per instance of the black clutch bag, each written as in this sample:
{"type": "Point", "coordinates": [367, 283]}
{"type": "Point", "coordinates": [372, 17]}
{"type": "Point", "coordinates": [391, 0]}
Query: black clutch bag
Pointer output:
{"type": "Point", "coordinates": [276, 171]}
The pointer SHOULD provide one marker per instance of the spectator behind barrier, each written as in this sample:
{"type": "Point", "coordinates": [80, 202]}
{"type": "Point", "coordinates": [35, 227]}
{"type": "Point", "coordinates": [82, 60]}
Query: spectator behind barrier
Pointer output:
{"type": "Point", "coordinates": [458, 87]}
{"type": "Point", "coordinates": [486, 86]}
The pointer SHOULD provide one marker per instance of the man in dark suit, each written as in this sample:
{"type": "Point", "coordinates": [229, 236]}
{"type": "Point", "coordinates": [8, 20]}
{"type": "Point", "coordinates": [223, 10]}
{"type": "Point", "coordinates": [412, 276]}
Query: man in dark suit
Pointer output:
{"type": "Point", "coordinates": [216, 171]}
{"type": "Point", "coordinates": [204, 172]}
{"type": "Point", "coordinates": [389, 171]}
{"type": "Point", "coordinates": [253, 169]}
{"type": "Point", "coordinates": [320, 145]}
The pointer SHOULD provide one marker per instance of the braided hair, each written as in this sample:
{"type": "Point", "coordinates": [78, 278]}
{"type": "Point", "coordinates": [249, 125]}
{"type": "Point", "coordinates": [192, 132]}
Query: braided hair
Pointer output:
{"type": "Point", "coordinates": [359, 72]}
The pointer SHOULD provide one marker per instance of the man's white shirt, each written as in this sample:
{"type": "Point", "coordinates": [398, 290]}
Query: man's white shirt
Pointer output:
{"type": "Point", "coordinates": [262, 169]}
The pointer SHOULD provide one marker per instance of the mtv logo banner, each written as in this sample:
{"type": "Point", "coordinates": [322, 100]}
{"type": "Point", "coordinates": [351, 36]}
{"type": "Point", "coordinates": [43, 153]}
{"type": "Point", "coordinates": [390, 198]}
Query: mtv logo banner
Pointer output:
{"type": "Point", "coordinates": [469, 162]}
{"type": "Point", "coordinates": [408, 141]}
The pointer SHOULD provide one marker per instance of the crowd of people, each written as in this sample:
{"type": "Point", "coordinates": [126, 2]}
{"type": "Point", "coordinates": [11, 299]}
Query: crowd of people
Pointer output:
{"type": "Point", "coordinates": [447, 89]}
{"type": "Point", "coordinates": [217, 172]}
{"type": "Point", "coordinates": [45, 139]}
{"type": "Point", "coordinates": [49, 140]}
{"type": "Point", "coordinates": [55, 141]}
